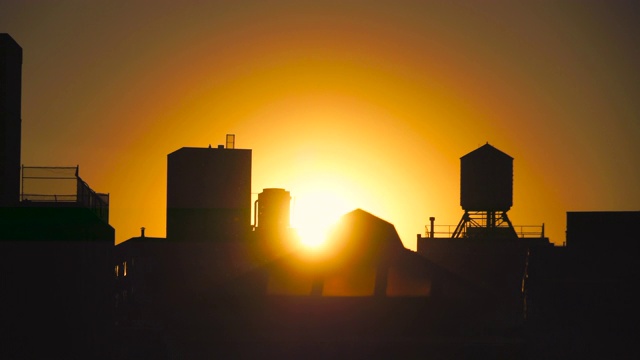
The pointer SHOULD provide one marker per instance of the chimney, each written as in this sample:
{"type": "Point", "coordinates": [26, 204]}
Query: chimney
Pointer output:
{"type": "Point", "coordinates": [142, 232]}
{"type": "Point", "coordinates": [431, 219]}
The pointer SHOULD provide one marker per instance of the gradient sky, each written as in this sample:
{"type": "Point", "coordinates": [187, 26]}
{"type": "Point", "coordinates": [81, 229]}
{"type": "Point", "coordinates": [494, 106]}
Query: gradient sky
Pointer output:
{"type": "Point", "coordinates": [346, 104]}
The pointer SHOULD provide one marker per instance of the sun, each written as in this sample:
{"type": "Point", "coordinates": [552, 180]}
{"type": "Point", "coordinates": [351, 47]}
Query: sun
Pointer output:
{"type": "Point", "coordinates": [313, 215]}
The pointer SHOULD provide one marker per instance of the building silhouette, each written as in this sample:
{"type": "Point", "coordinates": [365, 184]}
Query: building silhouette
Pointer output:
{"type": "Point", "coordinates": [485, 248]}
{"type": "Point", "coordinates": [10, 119]}
{"type": "Point", "coordinates": [489, 289]}
{"type": "Point", "coordinates": [209, 194]}
{"type": "Point", "coordinates": [239, 290]}
{"type": "Point", "coordinates": [570, 301]}
{"type": "Point", "coordinates": [56, 247]}
{"type": "Point", "coordinates": [585, 296]}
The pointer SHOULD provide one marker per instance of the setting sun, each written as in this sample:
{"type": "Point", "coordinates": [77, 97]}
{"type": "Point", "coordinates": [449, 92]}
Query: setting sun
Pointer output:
{"type": "Point", "coordinates": [314, 213]}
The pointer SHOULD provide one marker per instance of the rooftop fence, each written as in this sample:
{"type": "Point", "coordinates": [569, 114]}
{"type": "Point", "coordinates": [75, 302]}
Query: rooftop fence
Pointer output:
{"type": "Point", "coordinates": [523, 231]}
{"type": "Point", "coordinates": [61, 186]}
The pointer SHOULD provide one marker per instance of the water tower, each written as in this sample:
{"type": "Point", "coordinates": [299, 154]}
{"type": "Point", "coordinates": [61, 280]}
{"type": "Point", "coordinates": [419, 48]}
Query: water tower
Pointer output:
{"type": "Point", "coordinates": [486, 194]}
{"type": "Point", "coordinates": [273, 209]}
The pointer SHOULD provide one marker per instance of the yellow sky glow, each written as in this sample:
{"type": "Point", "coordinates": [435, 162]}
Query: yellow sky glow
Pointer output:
{"type": "Point", "coordinates": [345, 104]}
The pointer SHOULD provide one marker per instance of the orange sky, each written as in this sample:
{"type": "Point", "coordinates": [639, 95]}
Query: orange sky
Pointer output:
{"type": "Point", "coordinates": [346, 104]}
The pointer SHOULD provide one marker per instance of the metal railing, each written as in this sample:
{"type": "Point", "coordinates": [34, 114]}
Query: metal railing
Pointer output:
{"type": "Point", "coordinates": [55, 198]}
{"type": "Point", "coordinates": [523, 231]}
{"type": "Point", "coordinates": [61, 186]}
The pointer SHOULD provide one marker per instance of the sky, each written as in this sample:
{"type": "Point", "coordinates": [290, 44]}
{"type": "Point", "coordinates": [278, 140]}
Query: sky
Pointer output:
{"type": "Point", "coordinates": [346, 104]}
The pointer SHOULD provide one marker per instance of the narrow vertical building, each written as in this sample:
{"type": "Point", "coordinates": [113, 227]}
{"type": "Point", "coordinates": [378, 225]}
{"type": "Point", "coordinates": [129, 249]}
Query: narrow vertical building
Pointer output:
{"type": "Point", "coordinates": [10, 120]}
{"type": "Point", "coordinates": [208, 194]}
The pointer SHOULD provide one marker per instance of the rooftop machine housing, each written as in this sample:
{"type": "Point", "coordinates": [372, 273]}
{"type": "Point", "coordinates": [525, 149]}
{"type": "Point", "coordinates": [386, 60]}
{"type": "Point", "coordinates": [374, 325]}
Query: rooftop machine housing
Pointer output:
{"type": "Point", "coordinates": [208, 194]}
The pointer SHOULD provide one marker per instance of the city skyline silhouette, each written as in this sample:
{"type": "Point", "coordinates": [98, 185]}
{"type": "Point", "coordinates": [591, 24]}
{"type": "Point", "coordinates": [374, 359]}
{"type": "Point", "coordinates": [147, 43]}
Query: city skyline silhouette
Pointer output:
{"type": "Point", "coordinates": [285, 179]}
{"type": "Point", "coordinates": [322, 91]}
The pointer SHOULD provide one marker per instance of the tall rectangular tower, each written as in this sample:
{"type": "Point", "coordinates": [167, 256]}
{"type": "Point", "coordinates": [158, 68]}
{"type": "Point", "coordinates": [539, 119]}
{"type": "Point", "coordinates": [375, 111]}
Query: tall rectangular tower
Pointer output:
{"type": "Point", "coordinates": [208, 194]}
{"type": "Point", "coordinates": [10, 120]}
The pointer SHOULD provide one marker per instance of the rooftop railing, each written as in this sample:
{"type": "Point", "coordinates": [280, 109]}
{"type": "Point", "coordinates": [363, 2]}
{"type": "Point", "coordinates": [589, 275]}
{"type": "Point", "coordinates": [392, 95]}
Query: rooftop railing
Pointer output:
{"type": "Point", "coordinates": [523, 231]}
{"type": "Point", "coordinates": [61, 186]}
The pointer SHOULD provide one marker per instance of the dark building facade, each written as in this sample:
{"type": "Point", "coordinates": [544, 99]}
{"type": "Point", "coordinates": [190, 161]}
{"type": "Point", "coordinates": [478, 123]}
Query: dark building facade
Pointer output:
{"type": "Point", "coordinates": [584, 298]}
{"type": "Point", "coordinates": [57, 281]}
{"type": "Point", "coordinates": [369, 298]}
{"type": "Point", "coordinates": [208, 194]}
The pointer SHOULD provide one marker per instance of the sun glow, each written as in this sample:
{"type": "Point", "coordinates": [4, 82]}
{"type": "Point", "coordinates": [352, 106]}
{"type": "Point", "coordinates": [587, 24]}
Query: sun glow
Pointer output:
{"type": "Point", "coordinates": [314, 213]}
